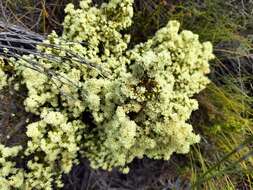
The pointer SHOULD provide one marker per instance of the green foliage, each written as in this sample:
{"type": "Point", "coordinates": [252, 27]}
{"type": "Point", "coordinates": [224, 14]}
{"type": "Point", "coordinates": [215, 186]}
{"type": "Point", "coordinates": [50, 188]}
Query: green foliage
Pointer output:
{"type": "Point", "coordinates": [225, 109]}
{"type": "Point", "coordinates": [214, 20]}
{"type": "Point", "coordinates": [225, 155]}
{"type": "Point", "coordinates": [121, 104]}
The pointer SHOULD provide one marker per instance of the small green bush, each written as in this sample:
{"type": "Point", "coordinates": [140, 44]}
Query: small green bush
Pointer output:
{"type": "Point", "coordinates": [120, 104]}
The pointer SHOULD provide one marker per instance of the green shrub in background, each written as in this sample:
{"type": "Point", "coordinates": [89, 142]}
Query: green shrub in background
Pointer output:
{"type": "Point", "coordinates": [120, 104]}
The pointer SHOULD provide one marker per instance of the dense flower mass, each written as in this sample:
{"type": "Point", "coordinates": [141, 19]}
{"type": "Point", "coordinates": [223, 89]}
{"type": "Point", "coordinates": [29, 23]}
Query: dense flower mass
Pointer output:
{"type": "Point", "coordinates": [115, 104]}
{"type": "Point", "coordinates": [10, 176]}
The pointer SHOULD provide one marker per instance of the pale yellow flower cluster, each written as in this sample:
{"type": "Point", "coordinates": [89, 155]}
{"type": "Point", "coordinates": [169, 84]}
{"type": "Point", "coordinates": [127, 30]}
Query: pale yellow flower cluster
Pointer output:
{"type": "Point", "coordinates": [134, 102]}
{"type": "Point", "coordinates": [10, 176]}
{"type": "Point", "coordinates": [54, 145]}
{"type": "Point", "coordinates": [3, 76]}
{"type": "Point", "coordinates": [58, 141]}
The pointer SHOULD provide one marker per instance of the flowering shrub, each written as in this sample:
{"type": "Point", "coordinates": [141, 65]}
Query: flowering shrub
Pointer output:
{"type": "Point", "coordinates": [122, 104]}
